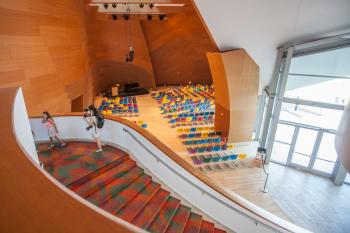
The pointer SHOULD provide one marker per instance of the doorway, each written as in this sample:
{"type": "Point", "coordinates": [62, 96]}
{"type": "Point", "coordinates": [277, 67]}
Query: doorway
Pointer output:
{"type": "Point", "coordinates": [78, 104]}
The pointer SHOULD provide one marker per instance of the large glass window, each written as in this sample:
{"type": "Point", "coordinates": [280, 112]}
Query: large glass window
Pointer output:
{"type": "Point", "coordinates": [317, 88]}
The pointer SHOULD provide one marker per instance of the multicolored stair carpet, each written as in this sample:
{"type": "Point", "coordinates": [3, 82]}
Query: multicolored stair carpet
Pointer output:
{"type": "Point", "coordinates": [114, 182]}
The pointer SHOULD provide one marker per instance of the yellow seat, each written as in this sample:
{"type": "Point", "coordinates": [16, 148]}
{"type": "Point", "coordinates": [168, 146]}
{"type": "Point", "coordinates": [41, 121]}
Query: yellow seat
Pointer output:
{"type": "Point", "coordinates": [204, 135]}
{"type": "Point", "coordinates": [206, 128]}
{"type": "Point", "coordinates": [104, 112]}
{"type": "Point", "coordinates": [199, 129]}
{"type": "Point", "coordinates": [109, 112]}
{"type": "Point", "coordinates": [187, 130]}
{"type": "Point", "coordinates": [242, 156]}
{"type": "Point", "coordinates": [230, 146]}
{"type": "Point", "coordinates": [180, 130]}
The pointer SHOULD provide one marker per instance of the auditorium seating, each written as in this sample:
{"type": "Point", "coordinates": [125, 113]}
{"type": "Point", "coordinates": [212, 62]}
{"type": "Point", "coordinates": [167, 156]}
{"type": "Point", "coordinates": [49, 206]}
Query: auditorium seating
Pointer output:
{"type": "Point", "coordinates": [119, 105]}
{"type": "Point", "coordinates": [114, 182]}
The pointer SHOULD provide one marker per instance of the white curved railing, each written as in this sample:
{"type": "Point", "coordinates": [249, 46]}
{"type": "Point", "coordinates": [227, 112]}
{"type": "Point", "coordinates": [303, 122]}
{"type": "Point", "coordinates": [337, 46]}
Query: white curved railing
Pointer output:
{"type": "Point", "coordinates": [238, 216]}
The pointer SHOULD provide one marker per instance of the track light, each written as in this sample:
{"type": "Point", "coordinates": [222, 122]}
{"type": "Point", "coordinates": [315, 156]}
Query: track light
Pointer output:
{"type": "Point", "coordinates": [114, 5]}
{"type": "Point", "coordinates": [114, 17]}
{"type": "Point", "coordinates": [141, 5]}
{"type": "Point", "coordinates": [149, 17]}
{"type": "Point", "coordinates": [126, 17]}
{"type": "Point", "coordinates": [162, 17]}
{"type": "Point", "coordinates": [105, 5]}
{"type": "Point", "coordinates": [151, 5]}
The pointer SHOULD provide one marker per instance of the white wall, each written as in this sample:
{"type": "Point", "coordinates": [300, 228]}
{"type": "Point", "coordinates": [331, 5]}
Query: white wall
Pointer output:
{"type": "Point", "coordinates": [261, 26]}
{"type": "Point", "coordinates": [22, 127]}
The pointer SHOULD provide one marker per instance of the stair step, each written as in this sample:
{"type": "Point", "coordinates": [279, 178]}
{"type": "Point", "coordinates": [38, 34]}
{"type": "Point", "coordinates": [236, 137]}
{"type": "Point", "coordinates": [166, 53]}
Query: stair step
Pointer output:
{"type": "Point", "coordinates": [129, 211]}
{"type": "Point", "coordinates": [104, 179]}
{"type": "Point", "coordinates": [109, 191]}
{"type": "Point", "coordinates": [216, 230]}
{"type": "Point", "coordinates": [206, 227]}
{"type": "Point", "coordinates": [179, 220]}
{"type": "Point", "coordinates": [165, 215]}
{"type": "Point", "coordinates": [120, 200]}
{"type": "Point", "coordinates": [193, 224]}
{"type": "Point", "coordinates": [148, 213]}
{"type": "Point", "coordinates": [97, 172]}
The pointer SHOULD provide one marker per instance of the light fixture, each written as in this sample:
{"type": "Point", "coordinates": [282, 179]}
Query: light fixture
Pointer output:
{"type": "Point", "coordinates": [149, 17]}
{"type": "Point", "coordinates": [141, 5]}
{"type": "Point", "coordinates": [162, 17]}
{"type": "Point", "coordinates": [114, 17]}
{"type": "Point", "coordinates": [151, 5]}
{"type": "Point", "coordinates": [105, 5]}
{"type": "Point", "coordinates": [114, 5]}
{"type": "Point", "coordinates": [126, 17]}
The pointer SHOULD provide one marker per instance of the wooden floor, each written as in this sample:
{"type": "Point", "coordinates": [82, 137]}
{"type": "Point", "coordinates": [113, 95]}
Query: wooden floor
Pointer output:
{"type": "Point", "coordinates": [307, 200]}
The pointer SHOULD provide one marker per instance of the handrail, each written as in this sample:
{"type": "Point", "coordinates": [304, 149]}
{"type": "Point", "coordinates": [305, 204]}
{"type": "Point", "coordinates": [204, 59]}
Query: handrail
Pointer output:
{"type": "Point", "coordinates": [277, 223]}
{"type": "Point", "coordinates": [189, 181]}
{"type": "Point", "coordinates": [33, 201]}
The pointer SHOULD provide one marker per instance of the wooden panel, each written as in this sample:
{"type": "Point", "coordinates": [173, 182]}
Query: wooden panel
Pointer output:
{"type": "Point", "coordinates": [178, 48]}
{"type": "Point", "coordinates": [34, 202]}
{"type": "Point", "coordinates": [108, 43]}
{"type": "Point", "coordinates": [240, 74]}
{"type": "Point", "coordinates": [222, 98]}
{"type": "Point", "coordinates": [43, 46]}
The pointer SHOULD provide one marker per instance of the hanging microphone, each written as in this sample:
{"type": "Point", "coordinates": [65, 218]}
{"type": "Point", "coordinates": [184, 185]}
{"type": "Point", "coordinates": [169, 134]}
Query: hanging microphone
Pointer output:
{"type": "Point", "coordinates": [131, 55]}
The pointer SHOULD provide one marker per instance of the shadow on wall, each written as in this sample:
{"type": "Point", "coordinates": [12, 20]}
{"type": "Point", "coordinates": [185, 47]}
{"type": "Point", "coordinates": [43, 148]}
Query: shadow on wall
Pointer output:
{"type": "Point", "coordinates": [106, 73]}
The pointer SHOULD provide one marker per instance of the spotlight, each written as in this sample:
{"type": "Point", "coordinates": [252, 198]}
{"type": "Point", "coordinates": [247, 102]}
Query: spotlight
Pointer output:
{"type": "Point", "coordinates": [151, 5]}
{"type": "Point", "coordinates": [114, 5]}
{"type": "Point", "coordinates": [130, 56]}
{"type": "Point", "coordinates": [162, 17]}
{"type": "Point", "coordinates": [105, 5]}
{"type": "Point", "coordinates": [141, 5]}
{"type": "Point", "coordinates": [126, 17]}
{"type": "Point", "coordinates": [149, 17]}
{"type": "Point", "coordinates": [114, 17]}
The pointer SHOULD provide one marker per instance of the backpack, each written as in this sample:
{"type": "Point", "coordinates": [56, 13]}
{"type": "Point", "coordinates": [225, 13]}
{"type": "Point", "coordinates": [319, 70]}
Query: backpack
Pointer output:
{"type": "Point", "coordinates": [100, 120]}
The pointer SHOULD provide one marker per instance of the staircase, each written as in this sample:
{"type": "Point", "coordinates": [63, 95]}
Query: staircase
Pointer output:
{"type": "Point", "coordinates": [114, 182]}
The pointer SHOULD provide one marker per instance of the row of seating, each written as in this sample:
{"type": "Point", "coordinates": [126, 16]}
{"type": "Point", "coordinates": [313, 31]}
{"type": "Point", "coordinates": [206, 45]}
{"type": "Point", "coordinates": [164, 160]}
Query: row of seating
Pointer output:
{"type": "Point", "coordinates": [198, 160]}
{"type": "Point", "coordinates": [192, 124]}
{"type": "Point", "coordinates": [191, 119]}
{"type": "Point", "coordinates": [141, 123]}
{"type": "Point", "coordinates": [210, 148]}
{"type": "Point", "coordinates": [195, 129]}
{"type": "Point", "coordinates": [203, 141]}
{"type": "Point", "coordinates": [200, 135]}
{"type": "Point", "coordinates": [180, 115]}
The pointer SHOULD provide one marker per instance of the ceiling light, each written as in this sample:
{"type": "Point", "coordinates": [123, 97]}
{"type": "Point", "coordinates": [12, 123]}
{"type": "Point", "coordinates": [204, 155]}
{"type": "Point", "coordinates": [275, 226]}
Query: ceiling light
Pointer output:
{"type": "Point", "coordinates": [105, 5]}
{"type": "Point", "coordinates": [114, 5]}
{"type": "Point", "coordinates": [141, 5]}
{"type": "Point", "coordinates": [114, 17]}
{"type": "Point", "coordinates": [151, 5]}
{"type": "Point", "coordinates": [126, 17]}
{"type": "Point", "coordinates": [149, 17]}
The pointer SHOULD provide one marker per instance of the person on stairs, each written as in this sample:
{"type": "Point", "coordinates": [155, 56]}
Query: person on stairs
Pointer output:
{"type": "Point", "coordinates": [91, 120]}
{"type": "Point", "coordinates": [52, 130]}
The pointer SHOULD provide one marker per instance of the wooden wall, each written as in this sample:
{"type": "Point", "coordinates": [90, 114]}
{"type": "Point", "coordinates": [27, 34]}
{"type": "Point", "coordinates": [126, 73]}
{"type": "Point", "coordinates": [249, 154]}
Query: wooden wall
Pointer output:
{"type": "Point", "coordinates": [108, 44]}
{"type": "Point", "coordinates": [58, 50]}
{"type": "Point", "coordinates": [178, 48]}
{"type": "Point", "coordinates": [43, 48]}
{"type": "Point", "coordinates": [236, 80]}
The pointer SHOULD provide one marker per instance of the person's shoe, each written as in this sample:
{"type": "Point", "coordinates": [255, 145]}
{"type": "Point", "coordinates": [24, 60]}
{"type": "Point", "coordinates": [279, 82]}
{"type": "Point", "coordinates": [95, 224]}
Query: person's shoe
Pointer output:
{"type": "Point", "coordinates": [99, 150]}
{"type": "Point", "coordinates": [51, 146]}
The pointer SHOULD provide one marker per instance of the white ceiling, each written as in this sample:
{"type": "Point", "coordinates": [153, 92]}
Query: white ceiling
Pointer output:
{"type": "Point", "coordinates": [261, 26]}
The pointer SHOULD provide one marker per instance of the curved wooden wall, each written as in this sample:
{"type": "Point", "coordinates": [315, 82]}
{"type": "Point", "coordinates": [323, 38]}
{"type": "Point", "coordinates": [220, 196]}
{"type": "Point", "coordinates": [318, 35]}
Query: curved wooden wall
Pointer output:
{"type": "Point", "coordinates": [178, 48]}
{"type": "Point", "coordinates": [236, 80]}
{"type": "Point", "coordinates": [43, 48]}
{"type": "Point", "coordinates": [108, 44]}
{"type": "Point", "coordinates": [32, 201]}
